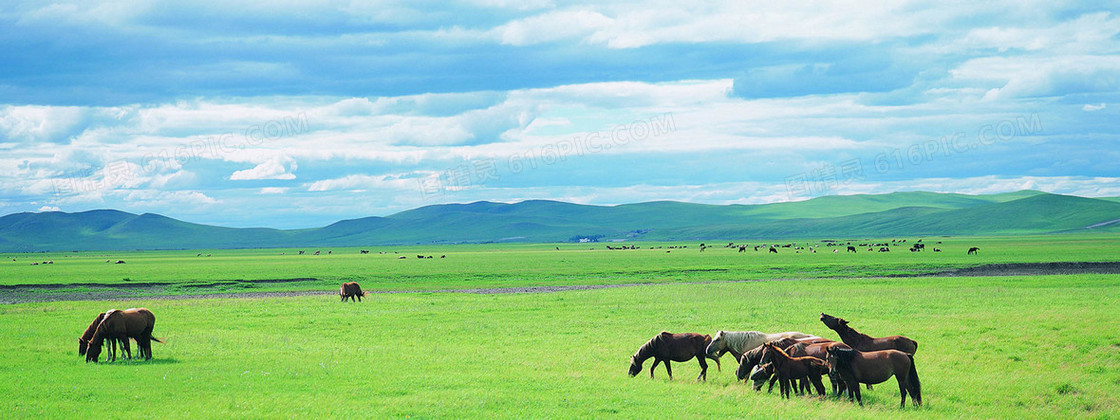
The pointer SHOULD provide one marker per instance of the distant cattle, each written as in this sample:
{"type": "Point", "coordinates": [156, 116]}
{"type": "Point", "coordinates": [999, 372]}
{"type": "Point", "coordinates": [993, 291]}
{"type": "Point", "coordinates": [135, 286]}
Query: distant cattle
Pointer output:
{"type": "Point", "coordinates": [316, 253]}
{"type": "Point", "coordinates": [937, 250]}
{"type": "Point", "coordinates": [851, 249]}
{"type": "Point", "coordinates": [773, 250]}
{"type": "Point", "coordinates": [364, 251]}
{"type": "Point", "coordinates": [401, 257]}
{"type": "Point", "coordinates": [973, 250]}
{"type": "Point", "coordinates": [300, 253]}
{"type": "Point", "coordinates": [119, 262]}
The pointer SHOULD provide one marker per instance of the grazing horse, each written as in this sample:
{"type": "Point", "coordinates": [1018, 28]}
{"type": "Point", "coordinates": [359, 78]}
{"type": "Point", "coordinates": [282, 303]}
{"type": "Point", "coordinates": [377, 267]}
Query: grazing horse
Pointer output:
{"type": "Point", "coordinates": [351, 290]}
{"type": "Point", "coordinates": [873, 367]}
{"type": "Point", "coordinates": [973, 251]}
{"type": "Point", "coordinates": [864, 342]}
{"type": "Point", "coordinates": [789, 369]}
{"type": "Point", "coordinates": [83, 341]}
{"type": "Point", "coordinates": [666, 347]}
{"type": "Point", "coordinates": [738, 342]}
{"type": "Point", "coordinates": [136, 323]}
{"type": "Point", "coordinates": [851, 249]}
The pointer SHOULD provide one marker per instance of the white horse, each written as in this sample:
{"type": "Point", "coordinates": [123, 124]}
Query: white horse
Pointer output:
{"type": "Point", "coordinates": [738, 342]}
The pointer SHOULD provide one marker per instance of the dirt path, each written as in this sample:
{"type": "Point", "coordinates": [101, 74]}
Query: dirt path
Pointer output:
{"type": "Point", "coordinates": [150, 291]}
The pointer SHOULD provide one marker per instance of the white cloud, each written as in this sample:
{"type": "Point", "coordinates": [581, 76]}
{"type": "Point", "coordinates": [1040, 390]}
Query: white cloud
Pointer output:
{"type": "Point", "coordinates": [552, 26]}
{"type": "Point", "coordinates": [410, 181]}
{"type": "Point", "coordinates": [1091, 107]}
{"type": "Point", "coordinates": [1021, 77]}
{"type": "Point", "coordinates": [273, 190]}
{"type": "Point", "coordinates": [270, 169]}
{"type": "Point", "coordinates": [49, 208]}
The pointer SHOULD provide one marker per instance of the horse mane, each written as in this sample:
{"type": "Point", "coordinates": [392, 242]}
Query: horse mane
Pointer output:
{"type": "Point", "coordinates": [842, 327]}
{"type": "Point", "coordinates": [88, 334]}
{"type": "Point", "coordinates": [648, 347]}
{"type": "Point", "coordinates": [843, 356]}
{"type": "Point", "coordinates": [103, 327]}
{"type": "Point", "coordinates": [774, 345]}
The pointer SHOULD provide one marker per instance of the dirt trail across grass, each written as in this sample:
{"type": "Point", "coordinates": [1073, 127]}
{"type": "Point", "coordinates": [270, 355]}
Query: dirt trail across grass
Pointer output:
{"type": "Point", "coordinates": [148, 291]}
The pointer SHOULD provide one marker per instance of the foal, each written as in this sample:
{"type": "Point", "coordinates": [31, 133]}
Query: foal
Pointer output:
{"type": "Point", "coordinates": [793, 368]}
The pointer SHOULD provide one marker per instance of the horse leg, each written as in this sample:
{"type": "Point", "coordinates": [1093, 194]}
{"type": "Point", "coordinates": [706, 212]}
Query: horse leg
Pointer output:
{"type": "Point", "coordinates": [901, 390]}
{"type": "Point", "coordinates": [818, 384]}
{"type": "Point", "coordinates": [145, 347]}
{"type": "Point", "coordinates": [669, 369]}
{"type": "Point", "coordinates": [654, 367]}
{"type": "Point", "coordinates": [703, 368]}
{"type": "Point", "coordinates": [773, 378]}
{"type": "Point", "coordinates": [127, 348]}
{"type": "Point", "coordinates": [859, 396]}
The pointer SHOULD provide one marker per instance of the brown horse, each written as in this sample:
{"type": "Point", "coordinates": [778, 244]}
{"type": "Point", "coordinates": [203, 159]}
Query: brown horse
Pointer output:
{"type": "Point", "coordinates": [873, 367]}
{"type": "Point", "coordinates": [83, 341]}
{"type": "Point", "coordinates": [864, 342]}
{"type": "Point", "coordinates": [820, 351]}
{"type": "Point", "coordinates": [790, 369]}
{"type": "Point", "coordinates": [666, 347]}
{"type": "Point", "coordinates": [136, 323]}
{"type": "Point", "coordinates": [756, 362]}
{"type": "Point", "coordinates": [351, 290]}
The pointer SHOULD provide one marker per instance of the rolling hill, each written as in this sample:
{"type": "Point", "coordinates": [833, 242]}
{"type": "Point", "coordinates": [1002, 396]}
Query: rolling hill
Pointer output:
{"type": "Point", "coordinates": [895, 214]}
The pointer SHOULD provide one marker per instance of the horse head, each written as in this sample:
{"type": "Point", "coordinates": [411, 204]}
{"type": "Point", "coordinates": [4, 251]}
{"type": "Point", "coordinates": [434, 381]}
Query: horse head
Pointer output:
{"type": "Point", "coordinates": [93, 351]}
{"type": "Point", "coordinates": [635, 366]}
{"type": "Point", "coordinates": [745, 367]}
{"type": "Point", "coordinates": [83, 344]}
{"type": "Point", "coordinates": [717, 347]}
{"type": "Point", "coordinates": [832, 322]}
{"type": "Point", "coordinates": [838, 358]}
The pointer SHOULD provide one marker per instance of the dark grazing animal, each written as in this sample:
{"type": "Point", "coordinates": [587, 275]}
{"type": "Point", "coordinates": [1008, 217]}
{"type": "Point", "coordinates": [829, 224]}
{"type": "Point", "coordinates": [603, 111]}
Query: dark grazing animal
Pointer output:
{"type": "Point", "coordinates": [83, 341]}
{"type": "Point", "coordinates": [135, 323]}
{"type": "Point", "coordinates": [973, 251]}
{"type": "Point", "coordinates": [864, 342]}
{"type": "Point", "coordinates": [668, 347]}
{"type": "Point", "coordinates": [872, 367]}
{"type": "Point", "coordinates": [351, 290]}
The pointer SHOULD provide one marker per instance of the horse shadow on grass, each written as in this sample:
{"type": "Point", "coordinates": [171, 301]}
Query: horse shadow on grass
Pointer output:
{"type": "Point", "coordinates": [152, 362]}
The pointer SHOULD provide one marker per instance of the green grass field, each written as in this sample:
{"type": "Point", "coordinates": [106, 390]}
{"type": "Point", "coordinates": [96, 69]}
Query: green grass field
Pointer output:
{"type": "Point", "coordinates": [990, 347]}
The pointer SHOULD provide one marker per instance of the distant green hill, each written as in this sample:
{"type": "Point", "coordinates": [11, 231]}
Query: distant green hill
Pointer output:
{"type": "Point", "coordinates": [896, 214]}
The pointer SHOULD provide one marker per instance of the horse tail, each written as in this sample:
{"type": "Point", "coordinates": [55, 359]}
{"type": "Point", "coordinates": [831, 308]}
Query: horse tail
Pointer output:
{"type": "Point", "coordinates": [156, 339]}
{"type": "Point", "coordinates": [915, 385]}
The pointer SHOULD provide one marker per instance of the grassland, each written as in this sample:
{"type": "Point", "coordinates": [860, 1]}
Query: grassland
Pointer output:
{"type": "Point", "coordinates": [511, 265]}
{"type": "Point", "coordinates": [990, 347]}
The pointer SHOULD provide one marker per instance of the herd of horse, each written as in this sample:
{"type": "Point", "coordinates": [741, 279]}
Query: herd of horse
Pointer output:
{"type": "Point", "coordinates": [794, 359]}
{"type": "Point", "coordinates": [114, 328]}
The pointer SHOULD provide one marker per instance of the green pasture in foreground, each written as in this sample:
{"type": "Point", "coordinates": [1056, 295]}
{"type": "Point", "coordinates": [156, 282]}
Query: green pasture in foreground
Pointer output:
{"type": "Point", "coordinates": [500, 265]}
{"type": "Point", "coordinates": [1006, 347]}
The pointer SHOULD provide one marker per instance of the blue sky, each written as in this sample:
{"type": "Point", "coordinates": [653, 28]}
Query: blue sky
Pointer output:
{"type": "Point", "coordinates": [298, 114]}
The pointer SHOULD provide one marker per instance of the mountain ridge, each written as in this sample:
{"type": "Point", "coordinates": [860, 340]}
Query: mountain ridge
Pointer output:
{"type": "Point", "coordinates": [865, 215]}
